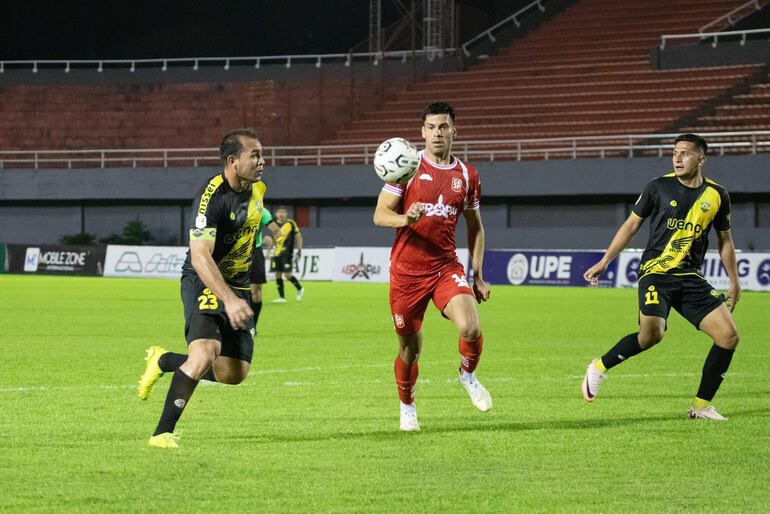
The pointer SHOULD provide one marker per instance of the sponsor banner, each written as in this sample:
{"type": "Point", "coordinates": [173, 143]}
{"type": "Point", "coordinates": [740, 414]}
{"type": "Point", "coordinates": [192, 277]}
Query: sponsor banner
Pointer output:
{"type": "Point", "coordinates": [370, 263]}
{"type": "Point", "coordinates": [753, 270]}
{"type": "Point", "coordinates": [544, 267]}
{"type": "Point", "coordinates": [55, 259]}
{"type": "Point", "coordinates": [314, 264]}
{"type": "Point", "coordinates": [145, 261]}
{"type": "Point", "coordinates": [361, 264]}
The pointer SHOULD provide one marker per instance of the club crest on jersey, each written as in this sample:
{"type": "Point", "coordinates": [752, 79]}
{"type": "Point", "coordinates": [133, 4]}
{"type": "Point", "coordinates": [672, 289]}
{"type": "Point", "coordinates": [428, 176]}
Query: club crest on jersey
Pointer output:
{"type": "Point", "coordinates": [705, 206]}
{"type": "Point", "coordinates": [399, 319]}
{"type": "Point", "coordinates": [672, 203]}
{"type": "Point", "coordinates": [457, 185]}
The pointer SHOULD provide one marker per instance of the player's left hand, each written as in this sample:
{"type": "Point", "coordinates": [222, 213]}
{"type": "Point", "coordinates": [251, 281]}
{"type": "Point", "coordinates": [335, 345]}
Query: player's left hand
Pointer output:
{"type": "Point", "coordinates": [480, 290]}
{"type": "Point", "coordinates": [267, 242]}
{"type": "Point", "coordinates": [732, 297]}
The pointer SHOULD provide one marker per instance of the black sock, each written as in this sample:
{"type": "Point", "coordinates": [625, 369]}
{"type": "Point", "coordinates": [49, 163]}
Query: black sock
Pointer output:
{"type": "Point", "coordinates": [257, 308]}
{"type": "Point", "coordinates": [178, 397]}
{"type": "Point", "coordinates": [170, 361]}
{"type": "Point", "coordinates": [279, 283]}
{"type": "Point", "coordinates": [209, 375]}
{"type": "Point", "coordinates": [294, 281]}
{"type": "Point", "coordinates": [717, 362]}
{"type": "Point", "coordinates": [624, 349]}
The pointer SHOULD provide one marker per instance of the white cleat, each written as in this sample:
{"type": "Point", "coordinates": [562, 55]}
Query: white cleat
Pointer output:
{"type": "Point", "coordinates": [409, 418]}
{"type": "Point", "coordinates": [279, 300]}
{"type": "Point", "coordinates": [592, 381]}
{"type": "Point", "coordinates": [480, 397]}
{"type": "Point", "coordinates": [708, 412]}
{"type": "Point", "coordinates": [300, 294]}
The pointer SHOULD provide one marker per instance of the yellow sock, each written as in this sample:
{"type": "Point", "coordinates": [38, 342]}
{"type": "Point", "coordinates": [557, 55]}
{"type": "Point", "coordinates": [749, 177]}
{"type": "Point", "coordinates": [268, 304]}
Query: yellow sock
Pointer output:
{"type": "Point", "coordinates": [600, 365]}
{"type": "Point", "coordinates": [700, 404]}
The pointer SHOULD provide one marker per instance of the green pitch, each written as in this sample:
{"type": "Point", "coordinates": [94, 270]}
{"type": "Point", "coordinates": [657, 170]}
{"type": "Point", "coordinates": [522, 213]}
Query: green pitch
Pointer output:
{"type": "Point", "coordinates": [314, 428]}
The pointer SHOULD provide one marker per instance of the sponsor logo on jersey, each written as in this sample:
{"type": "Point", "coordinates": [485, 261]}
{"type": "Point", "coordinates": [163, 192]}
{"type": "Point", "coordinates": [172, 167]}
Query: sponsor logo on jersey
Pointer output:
{"type": "Point", "coordinates": [676, 224]}
{"type": "Point", "coordinates": [457, 185]}
{"type": "Point", "coordinates": [231, 238]}
{"type": "Point", "coordinates": [680, 245]}
{"type": "Point", "coordinates": [206, 196]}
{"type": "Point", "coordinates": [439, 208]}
{"type": "Point", "coordinates": [425, 176]}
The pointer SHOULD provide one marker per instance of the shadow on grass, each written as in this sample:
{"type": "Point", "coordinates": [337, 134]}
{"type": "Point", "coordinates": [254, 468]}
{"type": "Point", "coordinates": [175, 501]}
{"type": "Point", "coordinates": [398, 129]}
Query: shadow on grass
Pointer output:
{"type": "Point", "coordinates": [439, 427]}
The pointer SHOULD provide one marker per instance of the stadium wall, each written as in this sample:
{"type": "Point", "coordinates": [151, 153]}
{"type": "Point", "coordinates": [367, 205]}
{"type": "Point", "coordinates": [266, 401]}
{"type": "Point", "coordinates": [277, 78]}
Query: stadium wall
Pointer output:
{"type": "Point", "coordinates": [530, 204]}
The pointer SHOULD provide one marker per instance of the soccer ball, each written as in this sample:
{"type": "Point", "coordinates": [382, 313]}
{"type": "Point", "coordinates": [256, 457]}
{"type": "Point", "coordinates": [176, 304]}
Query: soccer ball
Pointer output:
{"type": "Point", "coordinates": [396, 160]}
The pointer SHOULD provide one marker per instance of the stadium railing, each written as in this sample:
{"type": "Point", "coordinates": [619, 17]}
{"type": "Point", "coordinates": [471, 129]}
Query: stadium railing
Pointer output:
{"type": "Point", "coordinates": [612, 146]}
{"type": "Point", "coordinates": [490, 32]}
{"type": "Point", "coordinates": [702, 36]}
{"type": "Point", "coordinates": [100, 65]}
{"type": "Point", "coordinates": [734, 15]}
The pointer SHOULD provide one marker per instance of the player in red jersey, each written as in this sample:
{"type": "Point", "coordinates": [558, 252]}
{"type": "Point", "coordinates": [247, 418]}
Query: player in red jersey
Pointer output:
{"type": "Point", "coordinates": [423, 262]}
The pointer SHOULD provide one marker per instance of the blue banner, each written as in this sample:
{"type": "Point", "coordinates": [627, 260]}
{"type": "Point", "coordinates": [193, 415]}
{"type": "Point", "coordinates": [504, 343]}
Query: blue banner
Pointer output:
{"type": "Point", "coordinates": [544, 267]}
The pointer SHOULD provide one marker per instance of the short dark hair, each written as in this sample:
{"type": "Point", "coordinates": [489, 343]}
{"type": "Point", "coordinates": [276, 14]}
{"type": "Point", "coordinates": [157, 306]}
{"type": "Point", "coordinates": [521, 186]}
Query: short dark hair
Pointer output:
{"type": "Point", "coordinates": [232, 143]}
{"type": "Point", "coordinates": [695, 139]}
{"type": "Point", "coordinates": [438, 108]}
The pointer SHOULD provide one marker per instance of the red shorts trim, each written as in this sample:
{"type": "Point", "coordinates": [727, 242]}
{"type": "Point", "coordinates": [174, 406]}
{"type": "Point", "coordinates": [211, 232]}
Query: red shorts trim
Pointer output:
{"type": "Point", "coordinates": [409, 296]}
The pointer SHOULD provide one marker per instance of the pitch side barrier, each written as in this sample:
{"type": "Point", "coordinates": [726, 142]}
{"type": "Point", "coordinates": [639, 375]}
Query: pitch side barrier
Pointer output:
{"type": "Point", "coordinates": [566, 268]}
{"type": "Point", "coordinates": [370, 264]}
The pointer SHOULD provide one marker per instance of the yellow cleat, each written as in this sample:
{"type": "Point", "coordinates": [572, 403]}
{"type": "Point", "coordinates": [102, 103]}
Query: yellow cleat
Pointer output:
{"type": "Point", "coordinates": [152, 371]}
{"type": "Point", "coordinates": [164, 440]}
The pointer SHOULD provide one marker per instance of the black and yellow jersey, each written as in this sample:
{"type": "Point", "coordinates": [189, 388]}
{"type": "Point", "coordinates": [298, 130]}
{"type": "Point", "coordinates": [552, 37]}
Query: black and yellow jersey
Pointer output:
{"type": "Point", "coordinates": [285, 242]}
{"type": "Point", "coordinates": [680, 220]}
{"type": "Point", "coordinates": [230, 219]}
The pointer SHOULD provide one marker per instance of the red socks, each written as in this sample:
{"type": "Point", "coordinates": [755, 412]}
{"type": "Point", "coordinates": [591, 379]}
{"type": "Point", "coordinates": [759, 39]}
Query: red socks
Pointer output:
{"type": "Point", "coordinates": [406, 378]}
{"type": "Point", "coordinates": [470, 353]}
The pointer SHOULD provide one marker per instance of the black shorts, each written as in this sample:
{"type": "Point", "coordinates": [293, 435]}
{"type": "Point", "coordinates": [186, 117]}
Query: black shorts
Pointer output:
{"type": "Point", "coordinates": [690, 295]}
{"type": "Point", "coordinates": [257, 271]}
{"type": "Point", "coordinates": [205, 318]}
{"type": "Point", "coordinates": [282, 263]}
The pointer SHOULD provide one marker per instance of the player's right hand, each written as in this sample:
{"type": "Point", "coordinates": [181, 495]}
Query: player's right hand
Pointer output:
{"type": "Point", "coordinates": [593, 273]}
{"type": "Point", "coordinates": [414, 213]}
{"type": "Point", "coordinates": [238, 312]}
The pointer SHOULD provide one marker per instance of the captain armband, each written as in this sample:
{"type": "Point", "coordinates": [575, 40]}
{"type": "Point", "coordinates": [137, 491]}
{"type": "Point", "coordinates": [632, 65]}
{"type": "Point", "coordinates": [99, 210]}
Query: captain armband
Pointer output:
{"type": "Point", "coordinates": [203, 234]}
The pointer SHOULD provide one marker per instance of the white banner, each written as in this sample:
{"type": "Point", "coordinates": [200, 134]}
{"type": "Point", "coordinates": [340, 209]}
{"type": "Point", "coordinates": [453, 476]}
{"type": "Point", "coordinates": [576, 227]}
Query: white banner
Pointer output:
{"type": "Point", "coordinates": [315, 264]}
{"type": "Point", "coordinates": [370, 263]}
{"type": "Point", "coordinates": [753, 270]}
{"type": "Point", "coordinates": [144, 261]}
{"type": "Point", "coordinates": [361, 264]}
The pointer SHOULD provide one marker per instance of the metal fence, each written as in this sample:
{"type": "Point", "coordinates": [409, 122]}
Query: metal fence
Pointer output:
{"type": "Point", "coordinates": [601, 147]}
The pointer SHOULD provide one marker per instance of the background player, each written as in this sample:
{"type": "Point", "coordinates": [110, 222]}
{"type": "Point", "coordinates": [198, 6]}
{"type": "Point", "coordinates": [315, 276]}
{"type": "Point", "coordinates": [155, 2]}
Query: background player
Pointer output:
{"type": "Point", "coordinates": [215, 284]}
{"type": "Point", "coordinates": [682, 206]}
{"type": "Point", "coordinates": [423, 260]}
{"type": "Point", "coordinates": [257, 275]}
{"type": "Point", "coordinates": [283, 258]}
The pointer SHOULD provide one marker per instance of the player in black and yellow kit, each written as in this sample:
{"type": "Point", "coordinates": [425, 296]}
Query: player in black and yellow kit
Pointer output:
{"type": "Point", "coordinates": [283, 257]}
{"type": "Point", "coordinates": [682, 207]}
{"type": "Point", "coordinates": [215, 284]}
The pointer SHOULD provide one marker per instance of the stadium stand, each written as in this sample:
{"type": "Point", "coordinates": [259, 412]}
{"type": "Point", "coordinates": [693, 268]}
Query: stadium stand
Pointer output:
{"type": "Point", "coordinates": [748, 111]}
{"type": "Point", "coordinates": [576, 75]}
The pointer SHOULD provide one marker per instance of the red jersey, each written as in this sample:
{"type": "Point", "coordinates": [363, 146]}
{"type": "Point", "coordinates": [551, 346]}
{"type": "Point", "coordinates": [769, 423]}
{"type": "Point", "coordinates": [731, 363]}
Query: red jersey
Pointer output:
{"type": "Point", "coordinates": [445, 190]}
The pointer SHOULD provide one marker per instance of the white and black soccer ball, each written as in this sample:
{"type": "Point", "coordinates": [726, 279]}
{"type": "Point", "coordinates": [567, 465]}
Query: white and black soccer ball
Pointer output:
{"type": "Point", "coordinates": [396, 160]}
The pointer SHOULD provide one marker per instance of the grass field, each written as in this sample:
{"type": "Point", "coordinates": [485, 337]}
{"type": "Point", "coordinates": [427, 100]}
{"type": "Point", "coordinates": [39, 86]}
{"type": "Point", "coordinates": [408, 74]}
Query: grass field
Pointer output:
{"type": "Point", "coordinates": [314, 428]}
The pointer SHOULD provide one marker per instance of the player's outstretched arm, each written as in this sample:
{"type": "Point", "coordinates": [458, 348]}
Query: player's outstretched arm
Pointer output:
{"type": "Point", "coordinates": [623, 236]}
{"type": "Point", "coordinates": [476, 247]}
{"type": "Point", "coordinates": [727, 254]}
{"type": "Point", "coordinates": [238, 311]}
{"type": "Point", "coordinates": [385, 214]}
{"type": "Point", "coordinates": [275, 230]}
